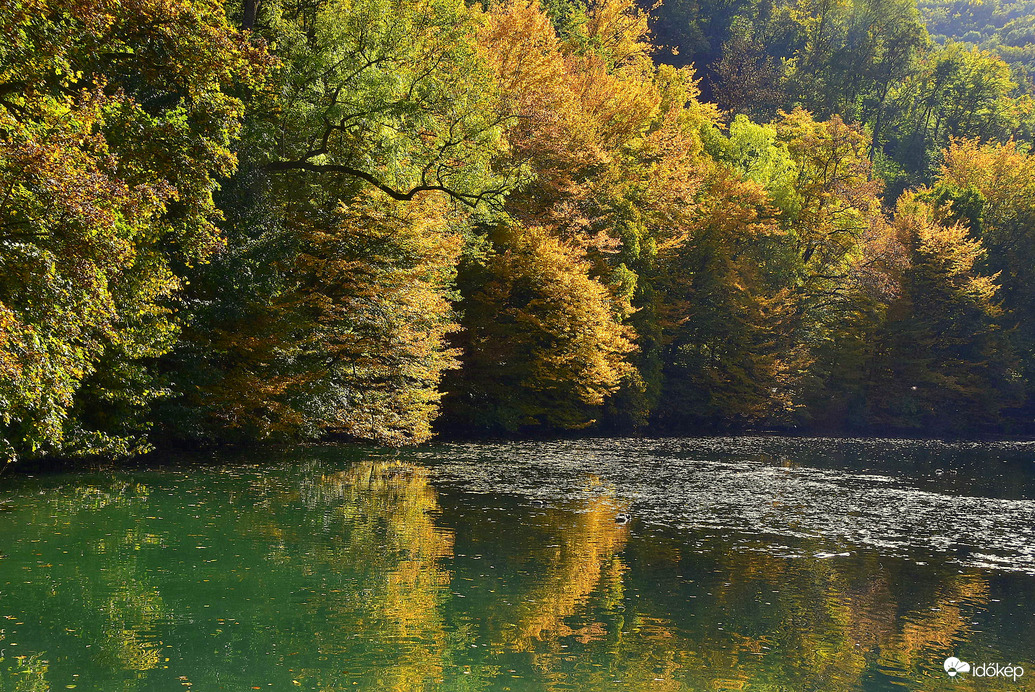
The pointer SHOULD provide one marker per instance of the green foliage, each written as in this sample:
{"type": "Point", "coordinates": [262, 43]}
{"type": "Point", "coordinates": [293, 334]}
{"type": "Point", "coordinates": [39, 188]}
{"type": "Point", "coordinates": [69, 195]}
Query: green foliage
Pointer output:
{"type": "Point", "coordinates": [870, 62]}
{"type": "Point", "coordinates": [755, 151]}
{"type": "Point", "coordinates": [942, 363]}
{"type": "Point", "coordinates": [954, 92]}
{"type": "Point", "coordinates": [1008, 28]}
{"type": "Point", "coordinates": [783, 321]}
{"type": "Point", "coordinates": [114, 122]}
{"type": "Point", "coordinates": [330, 310]}
{"type": "Point", "coordinates": [354, 214]}
{"type": "Point", "coordinates": [391, 93]}
{"type": "Point", "coordinates": [851, 54]}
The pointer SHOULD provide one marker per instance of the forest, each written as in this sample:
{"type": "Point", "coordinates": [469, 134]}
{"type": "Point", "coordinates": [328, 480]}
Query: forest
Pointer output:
{"type": "Point", "coordinates": [381, 220]}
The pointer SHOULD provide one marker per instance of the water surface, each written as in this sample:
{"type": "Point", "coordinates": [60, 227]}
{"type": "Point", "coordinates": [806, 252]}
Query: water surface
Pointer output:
{"type": "Point", "coordinates": [748, 564]}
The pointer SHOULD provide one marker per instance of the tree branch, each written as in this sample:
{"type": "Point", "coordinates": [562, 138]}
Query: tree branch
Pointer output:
{"type": "Point", "coordinates": [469, 199]}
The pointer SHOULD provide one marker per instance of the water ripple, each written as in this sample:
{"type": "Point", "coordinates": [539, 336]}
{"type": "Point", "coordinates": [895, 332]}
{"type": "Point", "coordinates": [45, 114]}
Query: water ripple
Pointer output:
{"type": "Point", "coordinates": [879, 494]}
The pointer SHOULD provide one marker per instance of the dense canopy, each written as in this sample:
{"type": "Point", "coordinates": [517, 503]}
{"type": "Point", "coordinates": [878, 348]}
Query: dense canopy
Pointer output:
{"type": "Point", "coordinates": [286, 219]}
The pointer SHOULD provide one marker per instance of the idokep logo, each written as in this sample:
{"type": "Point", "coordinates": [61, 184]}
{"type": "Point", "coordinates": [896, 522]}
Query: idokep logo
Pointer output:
{"type": "Point", "coordinates": [953, 666]}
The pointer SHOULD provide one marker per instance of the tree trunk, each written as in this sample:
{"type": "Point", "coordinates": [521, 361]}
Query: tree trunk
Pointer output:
{"type": "Point", "coordinates": [251, 10]}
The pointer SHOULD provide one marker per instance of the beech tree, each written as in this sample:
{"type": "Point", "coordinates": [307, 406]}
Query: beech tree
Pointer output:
{"type": "Point", "coordinates": [543, 345]}
{"type": "Point", "coordinates": [330, 313]}
{"type": "Point", "coordinates": [990, 188]}
{"type": "Point", "coordinates": [942, 362]}
{"type": "Point", "coordinates": [115, 120]}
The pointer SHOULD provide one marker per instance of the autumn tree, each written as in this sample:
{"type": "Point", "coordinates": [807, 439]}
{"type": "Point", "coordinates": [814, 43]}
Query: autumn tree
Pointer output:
{"type": "Point", "coordinates": [543, 347]}
{"type": "Point", "coordinates": [990, 189]}
{"type": "Point", "coordinates": [719, 311]}
{"type": "Point", "coordinates": [115, 120]}
{"type": "Point", "coordinates": [610, 145]}
{"type": "Point", "coordinates": [329, 313]}
{"type": "Point", "coordinates": [942, 362]}
{"type": "Point", "coordinates": [343, 331]}
{"type": "Point", "coordinates": [839, 260]}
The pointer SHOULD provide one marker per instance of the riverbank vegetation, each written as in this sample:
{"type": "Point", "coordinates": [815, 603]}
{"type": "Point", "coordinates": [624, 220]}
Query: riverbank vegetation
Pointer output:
{"type": "Point", "coordinates": [285, 219]}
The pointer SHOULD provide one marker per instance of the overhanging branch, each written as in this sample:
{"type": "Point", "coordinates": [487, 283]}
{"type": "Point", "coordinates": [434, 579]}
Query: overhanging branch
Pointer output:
{"type": "Point", "coordinates": [468, 199]}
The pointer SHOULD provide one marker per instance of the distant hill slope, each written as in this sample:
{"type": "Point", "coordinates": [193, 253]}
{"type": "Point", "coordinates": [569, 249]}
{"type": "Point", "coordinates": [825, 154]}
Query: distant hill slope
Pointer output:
{"type": "Point", "coordinates": [1006, 27]}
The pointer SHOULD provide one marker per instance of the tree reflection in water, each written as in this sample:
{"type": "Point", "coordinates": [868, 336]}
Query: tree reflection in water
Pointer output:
{"type": "Point", "coordinates": [369, 578]}
{"type": "Point", "coordinates": [392, 617]}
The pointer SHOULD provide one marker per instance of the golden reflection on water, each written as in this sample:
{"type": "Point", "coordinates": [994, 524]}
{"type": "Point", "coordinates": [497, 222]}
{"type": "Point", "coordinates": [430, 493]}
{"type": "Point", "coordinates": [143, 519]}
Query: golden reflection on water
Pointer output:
{"type": "Point", "coordinates": [585, 558]}
{"type": "Point", "coordinates": [388, 508]}
{"type": "Point", "coordinates": [574, 603]}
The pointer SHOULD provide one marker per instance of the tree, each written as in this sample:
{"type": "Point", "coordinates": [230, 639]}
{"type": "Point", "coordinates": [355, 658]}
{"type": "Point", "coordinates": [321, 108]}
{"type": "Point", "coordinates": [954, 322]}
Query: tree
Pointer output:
{"type": "Point", "coordinates": [612, 150]}
{"type": "Point", "coordinates": [814, 265]}
{"type": "Point", "coordinates": [990, 188]}
{"type": "Point", "coordinates": [720, 312]}
{"type": "Point", "coordinates": [390, 93]}
{"type": "Point", "coordinates": [543, 346]}
{"type": "Point", "coordinates": [852, 52]}
{"type": "Point", "coordinates": [954, 92]}
{"type": "Point", "coordinates": [344, 331]}
{"type": "Point", "coordinates": [329, 312]}
{"type": "Point", "coordinates": [942, 362]}
{"type": "Point", "coordinates": [746, 78]}
{"type": "Point", "coordinates": [115, 120]}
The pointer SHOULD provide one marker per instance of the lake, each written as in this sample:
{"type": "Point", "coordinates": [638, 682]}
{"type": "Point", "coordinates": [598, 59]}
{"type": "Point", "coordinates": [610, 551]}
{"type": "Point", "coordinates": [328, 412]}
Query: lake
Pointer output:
{"type": "Point", "coordinates": [749, 563]}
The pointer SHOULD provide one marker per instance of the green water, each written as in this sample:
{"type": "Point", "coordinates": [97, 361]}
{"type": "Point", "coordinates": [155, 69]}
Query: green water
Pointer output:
{"type": "Point", "coordinates": [748, 564]}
